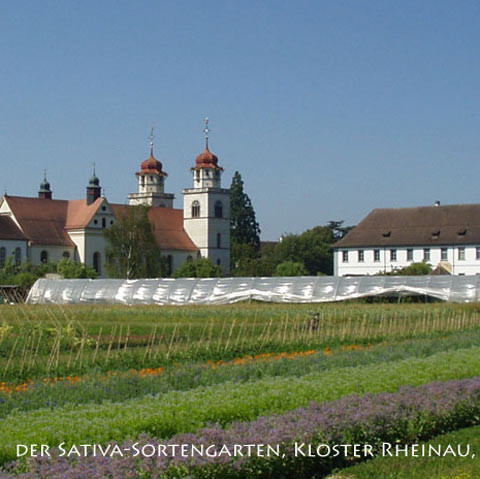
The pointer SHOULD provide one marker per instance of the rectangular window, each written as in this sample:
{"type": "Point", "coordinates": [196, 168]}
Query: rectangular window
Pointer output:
{"type": "Point", "coordinates": [361, 256]}
{"type": "Point", "coordinates": [461, 254]}
{"type": "Point", "coordinates": [376, 255]}
{"type": "Point", "coordinates": [444, 254]}
{"type": "Point", "coordinates": [426, 254]}
{"type": "Point", "coordinates": [478, 252]}
{"type": "Point", "coordinates": [345, 256]}
{"type": "Point", "coordinates": [409, 254]}
{"type": "Point", "coordinates": [393, 255]}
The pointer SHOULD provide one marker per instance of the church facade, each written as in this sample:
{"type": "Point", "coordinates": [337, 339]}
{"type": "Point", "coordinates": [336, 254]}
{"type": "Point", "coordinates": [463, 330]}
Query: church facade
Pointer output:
{"type": "Point", "coordinates": [42, 229]}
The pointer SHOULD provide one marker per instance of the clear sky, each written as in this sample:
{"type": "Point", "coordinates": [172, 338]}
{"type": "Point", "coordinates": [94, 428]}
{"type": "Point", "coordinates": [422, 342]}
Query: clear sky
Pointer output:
{"type": "Point", "coordinates": [327, 108]}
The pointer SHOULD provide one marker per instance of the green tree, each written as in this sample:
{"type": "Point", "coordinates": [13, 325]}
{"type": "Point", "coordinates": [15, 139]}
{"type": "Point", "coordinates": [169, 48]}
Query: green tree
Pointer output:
{"type": "Point", "coordinates": [312, 248]}
{"type": "Point", "coordinates": [414, 269]}
{"type": "Point", "coordinates": [71, 269]}
{"type": "Point", "coordinates": [200, 268]}
{"type": "Point", "coordinates": [338, 230]}
{"type": "Point", "coordinates": [132, 251]}
{"type": "Point", "coordinates": [244, 229]}
{"type": "Point", "coordinates": [291, 268]}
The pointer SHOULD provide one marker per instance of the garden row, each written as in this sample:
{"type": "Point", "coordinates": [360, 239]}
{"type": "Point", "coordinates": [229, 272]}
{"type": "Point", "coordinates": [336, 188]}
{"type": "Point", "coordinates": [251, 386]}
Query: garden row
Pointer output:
{"type": "Point", "coordinates": [376, 422]}
{"type": "Point", "coordinates": [114, 386]}
{"type": "Point", "coordinates": [165, 415]}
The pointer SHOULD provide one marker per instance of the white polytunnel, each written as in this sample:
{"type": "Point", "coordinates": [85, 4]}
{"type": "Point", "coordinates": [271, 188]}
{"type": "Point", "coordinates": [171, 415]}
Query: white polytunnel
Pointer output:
{"type": "Point", "coordinates": [305, 289]}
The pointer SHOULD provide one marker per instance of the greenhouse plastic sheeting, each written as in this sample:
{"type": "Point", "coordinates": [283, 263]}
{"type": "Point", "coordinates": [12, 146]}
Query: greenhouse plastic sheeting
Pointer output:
{"type": "Point", "coordinates": [230, 290]}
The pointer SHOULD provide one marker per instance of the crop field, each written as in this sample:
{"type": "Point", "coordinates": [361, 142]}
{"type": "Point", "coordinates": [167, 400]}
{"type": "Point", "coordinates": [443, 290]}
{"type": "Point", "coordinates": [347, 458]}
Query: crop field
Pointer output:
{"type": "Point", "coordinates": [113, 391]}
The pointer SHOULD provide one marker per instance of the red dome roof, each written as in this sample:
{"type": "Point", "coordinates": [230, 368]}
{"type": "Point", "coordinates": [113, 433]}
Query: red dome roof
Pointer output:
{"type": "Point", "coordinates": [207, 160]}
{"type": "Point", "coordinates": [152, 165]}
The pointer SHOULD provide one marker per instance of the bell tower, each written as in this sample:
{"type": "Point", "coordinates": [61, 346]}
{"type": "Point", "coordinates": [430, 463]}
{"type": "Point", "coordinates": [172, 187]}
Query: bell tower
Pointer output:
{"type": "Point", "coordinates": [206, 208]}
{"type": "Point", "coordinates": [151, 183]}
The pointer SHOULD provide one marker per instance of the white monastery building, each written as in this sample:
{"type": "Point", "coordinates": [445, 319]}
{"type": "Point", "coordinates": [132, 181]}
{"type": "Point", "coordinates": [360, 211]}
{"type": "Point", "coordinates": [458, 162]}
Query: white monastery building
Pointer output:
{"type": "Point", "coordinates": [447, 237]}
{"type": "Point", "coordinates": [43, 229]}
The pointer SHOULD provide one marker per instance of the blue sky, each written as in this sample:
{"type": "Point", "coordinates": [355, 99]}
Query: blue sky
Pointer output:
{"type": "Point", "coordinates": [327, 108]}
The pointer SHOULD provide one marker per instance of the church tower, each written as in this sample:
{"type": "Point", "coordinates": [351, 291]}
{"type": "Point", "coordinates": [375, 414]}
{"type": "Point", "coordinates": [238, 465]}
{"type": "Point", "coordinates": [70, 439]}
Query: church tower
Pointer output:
{"type": "Point", "coordinates": [206, 209]}
{"type": "Point", "coordinates": [151, 183]}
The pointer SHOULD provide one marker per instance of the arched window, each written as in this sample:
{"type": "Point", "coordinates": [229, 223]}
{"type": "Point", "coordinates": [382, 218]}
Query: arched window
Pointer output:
{"type": "Point", "coordinates": [104, 222]}
{"type": "Point", "coordinates": [218, 209]}
{"type": "Point", "coordinates": [169, 265]}
{"type": "Point", "coordinates": [189, 258]}
{"type": "Point", "coordinates": [195, 209]}
{"type": "Point", "coordinates": [96, 262]}
{"type": "Point", "coordinates": [3, 256]}
{"type": "Point", "coordinates": [219, 240]}
{"type": "Point", "coordinates": [218, 262]}
{"type": "Point", "coordinates": [18, 256]}
{"type": "Point", "coordinates": [66, 254]}
{"type": "Point", "coordinates": [44, 257]}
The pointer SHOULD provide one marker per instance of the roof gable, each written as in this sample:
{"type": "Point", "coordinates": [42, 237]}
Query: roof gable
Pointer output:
{"type": "Point", "coordinates": [79, 214]}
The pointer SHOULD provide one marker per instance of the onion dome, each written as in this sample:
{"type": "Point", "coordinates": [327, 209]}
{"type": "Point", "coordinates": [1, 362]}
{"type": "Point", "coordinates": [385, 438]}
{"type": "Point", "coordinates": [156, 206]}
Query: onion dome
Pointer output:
{"type": "Point", "coordinates": [207, 160]}
{"type": "Point", "coordinates": [151, 165]}
{"type": "Point", "coordinates": [44, 186]}
{"type": "Point", "coordinates": [94, 181]}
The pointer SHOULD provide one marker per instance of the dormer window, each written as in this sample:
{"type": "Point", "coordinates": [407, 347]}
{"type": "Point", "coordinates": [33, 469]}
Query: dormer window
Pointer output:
{"type": "Point", "coordinates": [386, 234]}
{"type": "Point", "coordinates": [462, 232]}
{"type": "Point", "coordinates": [435, 234]}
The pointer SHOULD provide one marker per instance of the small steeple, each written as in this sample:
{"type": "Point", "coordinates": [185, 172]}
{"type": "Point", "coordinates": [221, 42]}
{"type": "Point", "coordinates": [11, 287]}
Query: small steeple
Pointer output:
{"type": "Point", "coordinates": [93, 189]}
{"type": "Point", "coordinates": [45, 192]}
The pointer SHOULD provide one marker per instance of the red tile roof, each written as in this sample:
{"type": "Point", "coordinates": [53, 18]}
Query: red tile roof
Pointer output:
{"type": "Point", "coordinates": [47, 221]}
{"type": "Point", "coordinates": [9, 230]}
{"type": "Point", "coordinates": [42, 220]}
{"type": "Point", "coordinates": [420, 226]}
{"type": "Point", "coordinates": [167, 227]}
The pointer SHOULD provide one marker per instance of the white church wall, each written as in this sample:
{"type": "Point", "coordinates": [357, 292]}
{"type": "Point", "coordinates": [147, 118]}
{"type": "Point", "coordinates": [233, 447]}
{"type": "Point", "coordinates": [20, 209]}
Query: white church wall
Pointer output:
{"type": "Point", "coordinates": [54, 253]}
{"type": "Point", "coordinates": [10, 247]}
